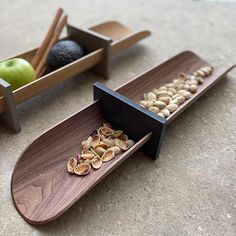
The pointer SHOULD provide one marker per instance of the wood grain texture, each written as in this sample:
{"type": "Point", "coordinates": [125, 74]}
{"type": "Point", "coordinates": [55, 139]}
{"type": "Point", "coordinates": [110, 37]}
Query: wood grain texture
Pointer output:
{"type": "Point", "coordinates": [122, 39]}
{"type": "Point", "coordinates": [42, 189]}
{"type": "Point", "coordinates": [186, 62]}
{"type": "Point", "coordinates": [112, 29]}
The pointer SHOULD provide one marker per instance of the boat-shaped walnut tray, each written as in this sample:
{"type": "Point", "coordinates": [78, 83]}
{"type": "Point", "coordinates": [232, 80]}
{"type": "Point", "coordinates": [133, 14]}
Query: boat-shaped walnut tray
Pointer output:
{"type": "Point", "coordinates": [42, 189]}
{"type": "Point", "coordinates": [100, 42]}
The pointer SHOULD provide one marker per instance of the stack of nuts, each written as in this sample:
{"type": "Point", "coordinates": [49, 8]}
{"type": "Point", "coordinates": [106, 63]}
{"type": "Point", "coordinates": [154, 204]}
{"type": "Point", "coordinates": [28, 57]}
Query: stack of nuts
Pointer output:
{"type": "Point", "coordinates": [166, 99]}
{"type": "Point", "coordinates": [101, 146]}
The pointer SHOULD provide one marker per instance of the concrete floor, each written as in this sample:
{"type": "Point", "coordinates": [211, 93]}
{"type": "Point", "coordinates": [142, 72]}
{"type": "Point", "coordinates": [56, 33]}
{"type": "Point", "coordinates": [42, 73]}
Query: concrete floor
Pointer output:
{"type": "Point", "coordinates": [190, 189]}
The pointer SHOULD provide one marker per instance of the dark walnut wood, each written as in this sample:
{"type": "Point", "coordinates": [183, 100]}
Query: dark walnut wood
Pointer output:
{"type": "Point", "coordinates": [42, 189]}
{"type": "Point", "coordinates": [186, 62]}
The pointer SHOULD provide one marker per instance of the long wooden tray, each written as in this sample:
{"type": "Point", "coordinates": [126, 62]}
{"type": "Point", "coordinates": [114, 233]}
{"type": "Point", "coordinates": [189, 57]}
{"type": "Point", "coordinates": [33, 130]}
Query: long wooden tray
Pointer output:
{"type": "Point", "coordinates": [42, 189]}
{"type": "Point", "coordinates": [100, 41]}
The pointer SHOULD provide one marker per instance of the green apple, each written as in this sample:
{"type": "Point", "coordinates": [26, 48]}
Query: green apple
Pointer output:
{"type": "Point", "coordinates": [17, 72]}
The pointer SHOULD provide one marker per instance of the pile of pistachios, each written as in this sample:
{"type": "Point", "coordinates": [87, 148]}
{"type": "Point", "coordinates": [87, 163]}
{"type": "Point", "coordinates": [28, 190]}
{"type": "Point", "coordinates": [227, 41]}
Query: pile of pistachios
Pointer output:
{"type": "Point", "coordinates": [166, 99]}
{"type": "Point", "coordinates": [101, 146]}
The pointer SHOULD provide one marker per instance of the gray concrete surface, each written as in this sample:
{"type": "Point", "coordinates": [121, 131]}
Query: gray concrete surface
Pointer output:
{"type": "Point", "coordinates": [190, 189]}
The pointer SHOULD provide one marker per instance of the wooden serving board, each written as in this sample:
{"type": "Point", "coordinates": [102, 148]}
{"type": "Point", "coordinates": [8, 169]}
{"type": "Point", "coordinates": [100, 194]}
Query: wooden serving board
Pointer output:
{"type": "Point", "coordinates": [41, 187]}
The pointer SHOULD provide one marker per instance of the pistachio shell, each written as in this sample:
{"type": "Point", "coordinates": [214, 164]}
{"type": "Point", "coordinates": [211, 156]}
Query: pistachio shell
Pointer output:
{"type": "Point", "coordinates": [108, 155]}
{"type": "Point", "coordinates": [192, 77]}
{"type": "Point", "coordinates": [181, 99]}
{"type": "Point", "coordinates": [170, 85]}
{"type": "Point", "coordinates": [187, 95]}
{"type": "Point", "coordinates": [121, 144]}
{"type": "Point", "coordinates": [103, 144]}
{"type": "Point", "coordinates": [165, 112]}
{"type": "Point", "coordinates": [170, 93]}
{"type": "Point", "coordinates": [166, 100]}
{"type": "Point", "coordinates": [95, 140]}
{"type": "Point", "coordinates": [172, 107]}
{"type": "Point", "coordinates": [109, 141]}
{"type": "Point", "coordinates": [123, 137]}
{"type": "Point", "coordinates": [116, 149]}
{"type": "Point", "coordinates": [177, 82]}
{"type": "Point", "coordinates": [87, 144]}
{"type": "Point", "coordinates": [182, 91]}
{"type": "Point", "coordinates": [117, 133]}
{"type": "Point", "coordinates": [86, 152]}
{"type": "Point", "coordinates": [163, 88]}
{"type": "Point", "coordinates": [201, 73]}
{"type": "Point", "coordinates": [145, 97]}
{"type": "Point", "coordinates": [107, 131]}
{"type": "Point", "coordinates": [143, 103]}
{"type": "Point", "coordinates": [193, 82]}
{"type": "Point", "coordinates": [150, 103]}
{"type": "Point", "coordinates": [204, 69]}
{"type": "Point", "coordinates": [175, 101]}
{"type": "Point", "coordinates": [201, 80]}
{"type": "Point", "coordinates": [89, 155]}
{"type": "Point", "coordinates": [71, 164]}
{"type": "Point", "coordinates": [155, 91]}
{"type": "Point", "coordinates": [161, 114]}
{"type": "Point", "coordinates": [198, 79]}
{"type": "Point", "coordinates": [99, 150]}
{"type": "Point", "coordinates": [82, 169]}
{"type": "Point", "coordinates": [93, 151]}
{"type": "Point", "coordinates": [187, 87]}
{"type": "Point", "coordinates": [181, 86]}
{"type": "Point", "coordinates": [176, 95]}
{"type": "Point", "coordinates": [178, 100]}
{"type": "Point", "coordinates": [172, 90]}
{"type": "Point", "coordinates": [151, 96]}
{"type": "Point", "coordinates": [209, 69]}
{"type": "Point", "coordinates": [130, 143]}
{"type": "Point", "coordinates": [100, 134]}
{"type": "Point", "coordinates": [182, 76]}
{"type": "Point", "coordinates": [154, 109]}
{"type": "Point", "coordinates": [159, 104]}
{"type": "Point", "coordinates": [193, 88]}
{"type": "Point", "coordinates": [163, 93]}
{"type": "Point", "coordinates": [96, 162]}
{"type": "Point", "coordinates": [99, 131]}
{"type": "Point", "coordinates": [102, 137]}
{"type": "Point", "coordinates": [87, 161]}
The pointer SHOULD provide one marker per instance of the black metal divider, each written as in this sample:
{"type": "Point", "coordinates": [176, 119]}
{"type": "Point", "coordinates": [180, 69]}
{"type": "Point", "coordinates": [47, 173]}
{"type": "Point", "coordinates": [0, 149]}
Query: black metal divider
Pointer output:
{"type": "Point", "coordinates": [135, 120]}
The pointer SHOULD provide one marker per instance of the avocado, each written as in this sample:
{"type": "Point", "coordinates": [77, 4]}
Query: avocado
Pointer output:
{"type": "Point", "coordinates": [63, 53]}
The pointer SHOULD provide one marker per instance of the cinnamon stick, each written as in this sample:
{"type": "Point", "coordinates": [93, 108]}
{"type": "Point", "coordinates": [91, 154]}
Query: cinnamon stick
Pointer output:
{"type": "Point", "coordinates": [40, 74]}
{"type": "Point", "coordinates": [38, 55]}
{"type": "Point", "coordinates": [53, 40]}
